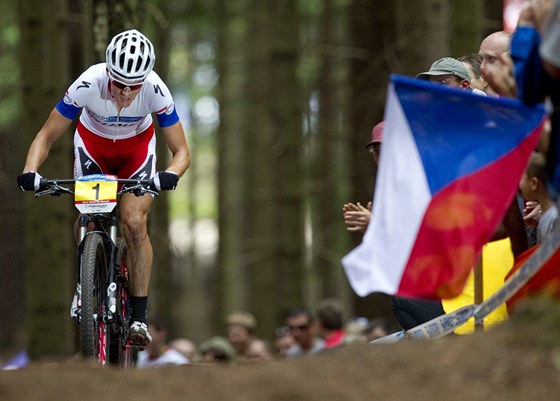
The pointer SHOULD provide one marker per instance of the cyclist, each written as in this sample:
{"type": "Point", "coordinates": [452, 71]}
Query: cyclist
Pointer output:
{"type": "Point", "coordinates": [115, 135]}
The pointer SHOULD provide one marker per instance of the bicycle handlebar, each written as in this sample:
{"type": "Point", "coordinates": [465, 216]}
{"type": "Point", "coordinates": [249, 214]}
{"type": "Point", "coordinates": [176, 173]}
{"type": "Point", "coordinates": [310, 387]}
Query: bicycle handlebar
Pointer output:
{"type": "Point", "coordinates": [55, 188]}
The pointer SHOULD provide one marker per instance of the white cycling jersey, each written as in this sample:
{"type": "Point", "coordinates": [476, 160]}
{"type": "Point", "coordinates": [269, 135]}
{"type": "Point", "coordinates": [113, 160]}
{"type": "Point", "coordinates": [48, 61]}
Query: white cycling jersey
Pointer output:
{"type": "Point", "coordinates": [91, 92]}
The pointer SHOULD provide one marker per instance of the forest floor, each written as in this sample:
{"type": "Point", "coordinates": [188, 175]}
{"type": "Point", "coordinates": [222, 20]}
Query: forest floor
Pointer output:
{"type": "Point", "coordinates": [518, 360]}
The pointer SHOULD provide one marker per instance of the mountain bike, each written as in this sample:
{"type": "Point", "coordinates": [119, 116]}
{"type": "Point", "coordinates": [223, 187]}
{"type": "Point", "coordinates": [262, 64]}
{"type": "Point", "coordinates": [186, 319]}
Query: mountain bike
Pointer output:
{"type": "Point", "coordinates": [100, 305]}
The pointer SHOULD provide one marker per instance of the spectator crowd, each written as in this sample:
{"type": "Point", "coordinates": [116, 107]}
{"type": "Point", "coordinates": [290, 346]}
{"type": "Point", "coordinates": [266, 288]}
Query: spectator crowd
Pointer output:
{"type": "Point", "coordinates": [305, 332]}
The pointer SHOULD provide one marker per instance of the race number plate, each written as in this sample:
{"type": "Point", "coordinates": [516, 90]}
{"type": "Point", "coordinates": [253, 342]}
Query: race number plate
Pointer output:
{"type": "Point", "coordinates": [96, 193]}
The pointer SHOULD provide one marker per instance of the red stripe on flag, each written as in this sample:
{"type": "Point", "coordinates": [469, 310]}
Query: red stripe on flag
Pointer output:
{"type": "Point", "coordinates": [458, 222]}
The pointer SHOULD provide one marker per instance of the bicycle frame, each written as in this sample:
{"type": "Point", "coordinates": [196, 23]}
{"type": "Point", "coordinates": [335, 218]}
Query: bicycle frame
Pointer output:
{"type": "Point", "coordinates": [101, 264]}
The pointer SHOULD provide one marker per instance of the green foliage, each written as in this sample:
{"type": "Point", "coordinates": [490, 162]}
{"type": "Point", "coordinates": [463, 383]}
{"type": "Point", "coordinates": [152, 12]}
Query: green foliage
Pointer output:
{"type": "Point", "coordinates": [9, 35]}
{"type": "Point", "coordinates": [308, 69]}
{"type": "Point", "coordinates": [310, 7]}
{"type": "Point", "coordinates": [201, 199]}
{"type": "Point", "coordinates": [9, 66]}
{"type": "Point", "coordinates": [316, 7]}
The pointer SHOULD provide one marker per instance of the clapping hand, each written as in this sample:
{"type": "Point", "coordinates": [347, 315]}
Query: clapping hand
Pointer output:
{"type": "Point", "coordinates": [356, 216]}
{"type": "Point", "coordinates": [532, 213]}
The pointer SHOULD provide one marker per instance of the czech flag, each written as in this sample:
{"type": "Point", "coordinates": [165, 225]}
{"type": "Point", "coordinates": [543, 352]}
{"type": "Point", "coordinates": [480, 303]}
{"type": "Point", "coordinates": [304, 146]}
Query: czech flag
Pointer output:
{"type": "Point", "coordinates": [450, 166]}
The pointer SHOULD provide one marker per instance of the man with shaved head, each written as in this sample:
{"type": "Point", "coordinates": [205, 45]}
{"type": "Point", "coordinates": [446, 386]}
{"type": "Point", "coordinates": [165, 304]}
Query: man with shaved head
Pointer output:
{"type": "Point", "coordinates": [491, 50]}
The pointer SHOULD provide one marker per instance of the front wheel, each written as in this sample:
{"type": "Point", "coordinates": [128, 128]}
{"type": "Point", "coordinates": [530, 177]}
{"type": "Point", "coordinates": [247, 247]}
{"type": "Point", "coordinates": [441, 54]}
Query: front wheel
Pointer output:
{"type": "Point", "coordinates": [93, 265]}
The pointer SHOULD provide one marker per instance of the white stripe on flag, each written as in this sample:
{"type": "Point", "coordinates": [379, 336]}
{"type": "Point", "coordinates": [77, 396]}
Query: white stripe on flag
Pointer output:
{"type": "Point", "coordinates": [401, 198]}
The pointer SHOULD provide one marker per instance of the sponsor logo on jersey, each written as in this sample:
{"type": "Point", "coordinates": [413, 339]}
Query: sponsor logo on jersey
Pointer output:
{"type": "Point", "coordinates": [157, 90]}
{"type": "Point", "coordinates": [170, 109]}
{"type": "Point", "coordinates": [86, 163]}
{"type": "Point", "coordinates": [85, 84]}
{"type": "Point", "coordinates": [68, 99]}
{"type": "Point", "coordinates": [145, 171]}
{"type": "Point", "coordinates": [121, 121]}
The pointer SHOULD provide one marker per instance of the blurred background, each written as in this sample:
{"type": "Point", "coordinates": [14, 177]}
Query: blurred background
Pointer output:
{"type": "Point", "coordinates": [278, 99]}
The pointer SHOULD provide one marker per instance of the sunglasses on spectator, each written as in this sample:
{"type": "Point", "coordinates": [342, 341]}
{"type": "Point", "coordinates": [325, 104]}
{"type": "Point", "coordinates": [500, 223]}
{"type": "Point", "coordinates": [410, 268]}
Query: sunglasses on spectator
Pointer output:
{"type": "Point", "coordinates": [446, 81]}
{"type": "Point", "coordinates": [122, 86]}
{"type": "Point", "coordinates": [299, 328]}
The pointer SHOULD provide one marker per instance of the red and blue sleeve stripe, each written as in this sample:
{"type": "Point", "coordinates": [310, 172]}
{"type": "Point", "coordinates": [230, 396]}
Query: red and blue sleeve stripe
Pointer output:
{"type": "Point", "coordinates": [167, 120]}
{"type": "Point", "coordinates": [67, 110]}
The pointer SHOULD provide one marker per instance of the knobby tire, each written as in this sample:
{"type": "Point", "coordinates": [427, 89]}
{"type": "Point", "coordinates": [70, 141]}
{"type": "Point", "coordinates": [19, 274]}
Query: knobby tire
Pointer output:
{"type": "Point", "coordinates": [94, 280]}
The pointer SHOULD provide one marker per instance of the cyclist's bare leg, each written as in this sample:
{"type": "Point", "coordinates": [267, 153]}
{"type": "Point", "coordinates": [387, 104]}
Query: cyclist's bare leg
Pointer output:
{"type": "Point", "coordinates": [134, 219]}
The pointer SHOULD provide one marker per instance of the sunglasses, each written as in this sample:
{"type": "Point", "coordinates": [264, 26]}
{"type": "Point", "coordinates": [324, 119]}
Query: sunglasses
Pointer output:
{"type": "Point", "coordinates": [122, 86]}
{"type": "Point", "coordinates": [303, 327]}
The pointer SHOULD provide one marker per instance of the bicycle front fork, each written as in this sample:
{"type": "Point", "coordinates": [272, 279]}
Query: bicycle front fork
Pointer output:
{"type": "Point", "coordinates": [111, 300]}
{"type": "Point", "coordinates": [84, 221]}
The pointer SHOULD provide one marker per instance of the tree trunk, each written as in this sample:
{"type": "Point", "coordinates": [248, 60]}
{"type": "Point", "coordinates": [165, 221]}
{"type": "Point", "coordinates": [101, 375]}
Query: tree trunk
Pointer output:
{"type": "Point", "coordinates": [274, 238]}
{"type": "Point", "coordinates": [423, 34]}
{"type": "Point", "coordinates": [50, 248]}
{"type": "Point", "coordinates": [286, 161]}
{"type": "Point", "coordinates": [329, 151]}
{"type": "Point", "coordinates": [111, 17]}
{"type": "Point", "coordinates": [466, 27]}
{"type": "Point", "coordinates": [161, 301]}
{"type": "Point", "coordinates": [375, 55]}
{"type": "Point", "coordinates": [264, 152]}
{"type": "Point", "coordinates": [493, 12]}
{"type": "Point", "coordinates": [232, 157]}
{"type": "Point", "coordinates": [11, 199]}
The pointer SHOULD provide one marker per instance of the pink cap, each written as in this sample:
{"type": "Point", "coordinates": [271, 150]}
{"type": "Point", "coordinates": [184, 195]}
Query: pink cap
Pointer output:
{"type": "Point", "coordinates": [377, 133]}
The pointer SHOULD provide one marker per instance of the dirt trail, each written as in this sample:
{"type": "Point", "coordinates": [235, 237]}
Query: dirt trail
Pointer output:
{"type": "Point", "coordinates": [519, 360]}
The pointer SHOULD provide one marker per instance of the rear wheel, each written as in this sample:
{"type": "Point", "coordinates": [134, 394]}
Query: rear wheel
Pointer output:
{"type": "Point", "coordinates": [119, 352]}
{"type": "Point", "coordinates": [93, 265]}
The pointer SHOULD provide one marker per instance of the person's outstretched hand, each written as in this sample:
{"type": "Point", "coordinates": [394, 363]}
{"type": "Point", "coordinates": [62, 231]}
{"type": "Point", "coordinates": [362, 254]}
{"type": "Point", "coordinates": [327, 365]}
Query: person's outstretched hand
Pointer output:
{"type": "Point", "coordinates": [356, 216]}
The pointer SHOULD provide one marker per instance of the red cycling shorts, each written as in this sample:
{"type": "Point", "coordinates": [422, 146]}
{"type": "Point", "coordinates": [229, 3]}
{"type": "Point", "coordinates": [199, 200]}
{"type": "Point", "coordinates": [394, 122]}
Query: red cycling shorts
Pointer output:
{"type": "Point", "coordinates": [132, 157]}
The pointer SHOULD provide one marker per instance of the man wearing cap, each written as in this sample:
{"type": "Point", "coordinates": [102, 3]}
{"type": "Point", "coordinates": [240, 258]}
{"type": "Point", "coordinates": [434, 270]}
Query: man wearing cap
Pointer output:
{"type": "Point", "coordinates": [448, 71]}
{"type": "Point", "coordinates": [374, 146]}
{"type": "Point", "coordinates": [356, 216]}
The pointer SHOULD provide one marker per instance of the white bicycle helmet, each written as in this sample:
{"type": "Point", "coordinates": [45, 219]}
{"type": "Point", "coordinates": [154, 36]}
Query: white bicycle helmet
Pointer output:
{"type": "Point", "coordinates": [130, 57]}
